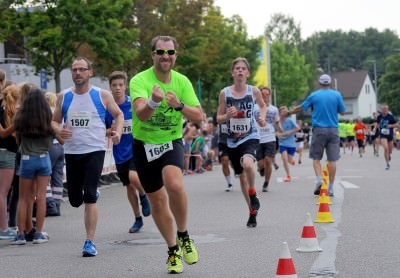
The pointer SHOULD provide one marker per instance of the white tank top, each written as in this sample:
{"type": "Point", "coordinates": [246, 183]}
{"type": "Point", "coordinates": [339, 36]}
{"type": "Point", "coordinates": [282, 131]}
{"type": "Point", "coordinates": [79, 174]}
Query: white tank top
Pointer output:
{"type": "Point", "coordinates": [84, 115]}
{"type": "Point", "coordinates": [242, 127]}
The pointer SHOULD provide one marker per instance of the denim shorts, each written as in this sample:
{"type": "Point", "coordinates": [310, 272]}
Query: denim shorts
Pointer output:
{"type": "Point", "coordinates": [35, 165]}
{"type": "Point", "coordinates": [7, 159]}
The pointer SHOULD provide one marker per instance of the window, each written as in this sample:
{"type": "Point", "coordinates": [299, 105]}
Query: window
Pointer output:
{"type": "Point", "coordinates": [349, 108]}
{"type": "Point", "coordinates": [367, 89]}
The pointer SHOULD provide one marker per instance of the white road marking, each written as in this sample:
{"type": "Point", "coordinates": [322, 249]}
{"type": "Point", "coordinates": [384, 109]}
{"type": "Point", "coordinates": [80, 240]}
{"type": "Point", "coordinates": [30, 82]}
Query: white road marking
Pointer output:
{"type": "Point", "coordinates": [351, 177]}
{"type": "Point", "coordinates": [348, 185]}
{"type": "Point", "coordinates": [324, 265]}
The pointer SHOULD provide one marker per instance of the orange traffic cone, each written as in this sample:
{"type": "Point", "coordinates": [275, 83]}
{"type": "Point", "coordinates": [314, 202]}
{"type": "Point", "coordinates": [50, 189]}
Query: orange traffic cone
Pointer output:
{"type": "Point", "coordinates": [309, 241]}
{"type": "Point", "coordinates": [324, 214]}
{"type": "Point", "coordinates": [285, 265]}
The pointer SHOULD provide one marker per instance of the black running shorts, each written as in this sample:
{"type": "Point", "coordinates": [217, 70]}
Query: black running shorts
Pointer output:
{"type": "Point", "coordinates": [123, 171]}
{"type": "Point", "coordinates": [247, 148]}
{"type": "Point", "coordinates": [150, 173]}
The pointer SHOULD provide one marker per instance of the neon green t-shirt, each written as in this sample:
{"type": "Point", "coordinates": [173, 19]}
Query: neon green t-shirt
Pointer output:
{"type": "Point", "coordinates": [342, 130]}
{"type": "Point", "coordinates": [350, 129]}
{"type": "Point", "coordinates": [166, 124]}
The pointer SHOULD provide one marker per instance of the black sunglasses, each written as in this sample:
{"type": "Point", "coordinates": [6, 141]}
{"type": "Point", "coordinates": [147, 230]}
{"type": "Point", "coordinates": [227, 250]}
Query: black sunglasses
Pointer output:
{"type": "Point", "coordinates": [161, 52]}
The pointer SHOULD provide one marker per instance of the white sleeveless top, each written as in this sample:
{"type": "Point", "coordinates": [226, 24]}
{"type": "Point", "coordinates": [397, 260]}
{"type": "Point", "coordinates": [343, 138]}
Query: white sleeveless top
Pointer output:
{"type": "Point", "coordinates": [242, 127]}
{"type": "Point", "coordinates": [84, 115]}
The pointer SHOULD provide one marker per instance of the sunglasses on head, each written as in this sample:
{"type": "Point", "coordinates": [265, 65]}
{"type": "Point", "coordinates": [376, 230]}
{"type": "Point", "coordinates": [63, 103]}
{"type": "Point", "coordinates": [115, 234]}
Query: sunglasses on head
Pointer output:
{"type": "Point", "coordinates": [161, 52]}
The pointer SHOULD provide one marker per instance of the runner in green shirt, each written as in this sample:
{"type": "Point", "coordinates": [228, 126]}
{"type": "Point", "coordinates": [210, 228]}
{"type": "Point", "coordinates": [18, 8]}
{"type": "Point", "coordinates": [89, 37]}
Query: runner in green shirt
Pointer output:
{"type": "Point", "coordinates": [350, 135]}
{"type": "Point", "coordinates": [160, 98]}
{"type": "Point", "coordinates": [342, 135]}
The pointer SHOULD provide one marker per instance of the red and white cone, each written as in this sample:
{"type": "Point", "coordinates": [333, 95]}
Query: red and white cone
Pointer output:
{"type": "Point", "coordinates": [308, 241]}
{"type": "Point", "coordinates": [285, 265]}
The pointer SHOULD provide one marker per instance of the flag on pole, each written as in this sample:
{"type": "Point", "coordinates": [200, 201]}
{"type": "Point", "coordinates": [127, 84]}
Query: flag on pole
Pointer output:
{"type": "Point", "coordinates": [262, 77]}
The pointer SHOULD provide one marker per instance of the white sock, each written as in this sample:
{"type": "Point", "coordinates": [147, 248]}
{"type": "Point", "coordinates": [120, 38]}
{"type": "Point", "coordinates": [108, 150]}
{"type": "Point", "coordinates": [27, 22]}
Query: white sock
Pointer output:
{"type": "Point", "coordinates": [228, 179]}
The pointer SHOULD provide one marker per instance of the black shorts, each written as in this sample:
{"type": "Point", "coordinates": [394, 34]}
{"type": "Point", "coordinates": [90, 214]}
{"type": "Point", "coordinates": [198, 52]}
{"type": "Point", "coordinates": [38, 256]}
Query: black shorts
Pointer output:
{"type": "Point", "coordinates": [83, 174]}
{"type": "Point", "coordinates": [248, 148]}
{"type": "Point", "coordinates": [150, 173]}
{"type": "Point", "coordinates": [350, 138]}
{"type": "Point", "coordinates": [360, 143]}
{"type": "Point", "coordinates": [222, 150]}
{"type": "Point", "coordinates": [387, 137]}
{"type": "Point", "coordinates": [266, 149]}
{"type": "Point", "coordinates": [123, 171]}
{"type": "Point", "coordinates": [376, 134]}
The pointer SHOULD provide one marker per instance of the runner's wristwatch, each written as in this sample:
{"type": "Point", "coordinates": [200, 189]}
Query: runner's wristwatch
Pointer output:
{"type": "Point", "coordinates": [180, 107]}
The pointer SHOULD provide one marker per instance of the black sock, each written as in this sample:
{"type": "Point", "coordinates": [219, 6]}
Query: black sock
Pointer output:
{"type": "Point", "coordinates": [173, 248]}
{"type": "Point", "coordinates": [139, 218]}
{"type": "Point", "coordinates": [182, 234]}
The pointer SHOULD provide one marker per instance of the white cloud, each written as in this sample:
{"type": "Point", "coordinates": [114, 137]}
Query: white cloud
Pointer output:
{"type": "Point", "coordinates": [316, 15]}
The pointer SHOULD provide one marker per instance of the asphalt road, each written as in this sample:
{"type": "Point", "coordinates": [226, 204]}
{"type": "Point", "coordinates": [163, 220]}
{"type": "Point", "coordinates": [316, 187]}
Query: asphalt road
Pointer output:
{"type": "Point", "coordinates": [363, 241]}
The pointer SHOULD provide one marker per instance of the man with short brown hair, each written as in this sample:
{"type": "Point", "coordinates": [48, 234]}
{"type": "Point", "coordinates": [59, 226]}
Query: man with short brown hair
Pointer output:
{"type": "Point", "coordinates": [83, 109]}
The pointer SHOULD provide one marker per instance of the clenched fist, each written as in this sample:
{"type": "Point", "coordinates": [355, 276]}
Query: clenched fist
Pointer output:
{"type": "Point", "coordinates": [231, 112]}
{"type": "Point", "coordinates": [157, 94]}
{"type": "Point", "coordinates": [172, 100]}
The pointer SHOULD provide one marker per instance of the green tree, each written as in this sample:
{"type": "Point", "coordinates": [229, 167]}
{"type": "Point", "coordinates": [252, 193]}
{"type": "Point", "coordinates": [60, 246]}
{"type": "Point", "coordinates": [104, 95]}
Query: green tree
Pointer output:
{"type": "Point", "coordinates": [283, 28]}
{"type": "Point", "coordinates": [339, 51]}
{"type": "Point", "coordinates": [208, 42]}
{"type": "Point", "coordinates": [389, 88]}
{"type": "Point", "coordinates": [289, 74]}
{"type": "Point", "coordinates": [212, 56]}
{"type": "Point", "coordinates": [178, 18]}
{"type": "Point", "coordinates": [57, 30]}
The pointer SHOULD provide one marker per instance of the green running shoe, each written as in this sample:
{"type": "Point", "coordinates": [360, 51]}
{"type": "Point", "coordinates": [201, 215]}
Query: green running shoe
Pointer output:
{"type": "Point", "coordinates": [174, 261]}
{"type": "Point", "coordinates": [190, 254]}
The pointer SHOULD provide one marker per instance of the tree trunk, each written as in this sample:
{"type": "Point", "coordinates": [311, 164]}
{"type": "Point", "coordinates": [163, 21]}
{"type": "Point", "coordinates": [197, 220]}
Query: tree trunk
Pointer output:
{"type": "Point", "coordinates": [209, 103]}
{"type": "Point", "coordinates": [57, 79]}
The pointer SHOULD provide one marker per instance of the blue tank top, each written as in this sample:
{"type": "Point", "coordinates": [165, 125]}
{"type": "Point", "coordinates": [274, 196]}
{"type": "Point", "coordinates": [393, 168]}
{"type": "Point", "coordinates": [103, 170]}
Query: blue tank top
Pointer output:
{"type": "Point", "coordinates": [242, 127]}
{"type": "Point", "coordinates": [123, 151]}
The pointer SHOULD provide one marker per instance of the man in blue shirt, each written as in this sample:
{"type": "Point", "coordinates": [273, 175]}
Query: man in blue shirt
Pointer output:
{"type": "Point", "coordinates": [326, 103]}
{"type": "Point", "coordinates": [123, 151]}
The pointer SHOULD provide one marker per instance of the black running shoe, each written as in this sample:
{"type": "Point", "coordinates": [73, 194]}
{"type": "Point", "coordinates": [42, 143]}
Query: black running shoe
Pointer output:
{"type": "Point", "coordinates": [317, 189]}
{"type": "Point", "coordinates": [29, 236]}
{"type": "Point", "coordinates": [254, 202]}
{"type": "Point", "coordinates": [252, 222]}
{"type": "Point", "coordinates": [262, 172]}
{"type": "Point", "coordinates": [265, 187]}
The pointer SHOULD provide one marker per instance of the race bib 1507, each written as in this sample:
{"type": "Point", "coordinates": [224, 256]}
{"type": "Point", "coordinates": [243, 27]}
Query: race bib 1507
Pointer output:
{"type": "Point", "coordinates": [154, 151]}
{"type": "Point", "coordinates": [79, 119]}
